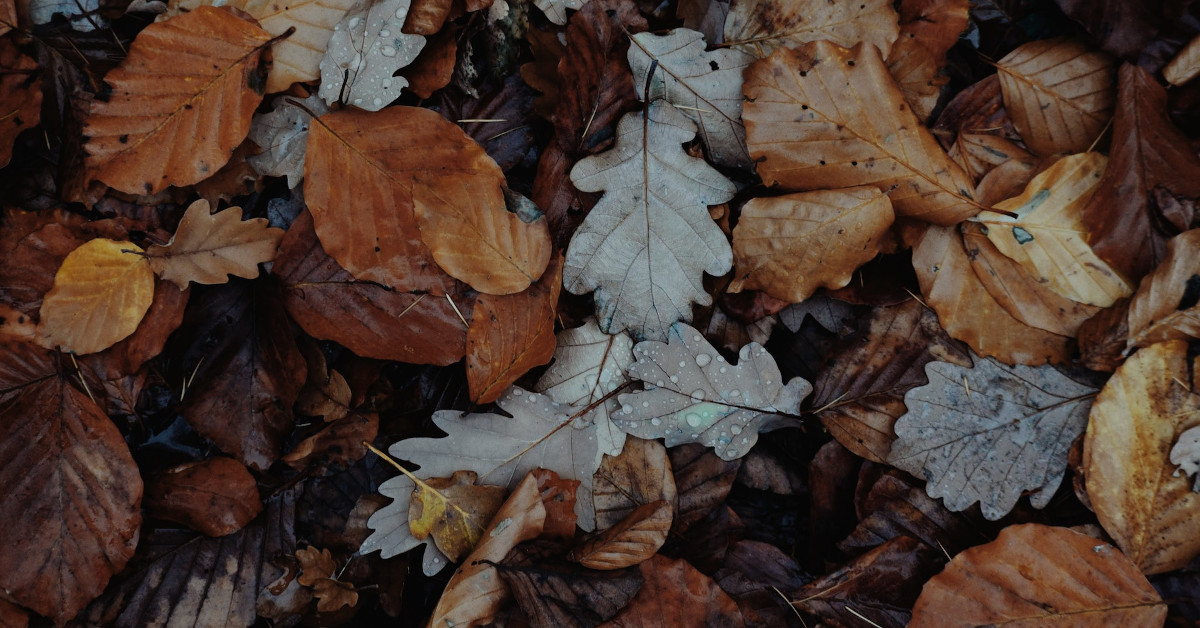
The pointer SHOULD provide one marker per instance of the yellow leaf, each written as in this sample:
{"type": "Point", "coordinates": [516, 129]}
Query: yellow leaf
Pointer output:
{"type": "Point", "coordinates": [207, 248]}
{"type": "Point", "coordinates": [100, 294]}
{"type": "Point", "coordinates": [453, 511]}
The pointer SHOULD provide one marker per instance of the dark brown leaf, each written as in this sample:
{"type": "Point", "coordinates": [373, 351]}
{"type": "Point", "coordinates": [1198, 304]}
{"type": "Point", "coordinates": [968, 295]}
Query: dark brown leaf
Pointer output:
{"type": "Point", "coordinates": [499, 120]}
{"type": "Point", "coordinates": [554, 593]}
{"type": "Point", "coordinates": [702, 480]}
{"type": "Point", "coordinates": [675, 594]}
{"type": "Point", "coordinates": [214, 497]}
{"type": "Point", "coordinates": [894, 507]}
{"type": "Point", "coordinates": [639, 475]}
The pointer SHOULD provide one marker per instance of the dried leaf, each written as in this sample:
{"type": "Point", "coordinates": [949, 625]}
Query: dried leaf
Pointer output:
{"type": "Point", "coordinates": [20, 95]}
{"type": "Point", "coordinates": [896, 506]}
{"type": "Point", "coordinates": [824, 116]}
{"type": "Point", "coordinates": [1151, 513]}
{"type": "Point", "coordinates": [990, 432]}
{"type": "Point", "coordinates": [641, 474]}
{"type": "Point", "coordinates": [631, 541]}
{"type": "Point", "coordinates": [100, 294]}
{"type": "Point", "coordinates": [558, 496]}
{"type": "Point", "coordinates": [1123, 28]}
{"type": "Point", "coordinates": [792, 245]}
{"type": "Point", "coordinates": [917, 74]}
{"type": "Point", "coordinates": [1186, 64]}
{"type": "Point", "coordinates": [706, 86]}
{"type": "Point", "coordinates": [936, 24]}
{"type": "Point", "coordinates": [453, 511]}
{"type": "Point", "coordinates": [72, 492]}
{"type": "Point", "coordinates": [647, 273]}
{"type": "Point", "coordinates": [556, 593]}
{"type": "Point", "coordinates": [588, 365]}
{"type": "Point", "coordinates": [500, 120]}
{"type": "Point", "coordinates": [181, 102]}
{"type": "Point", "coordinates": [207, 248]}
{"type": "Point", "coordinates": [1185, 453]}
{"type": "Point", "coordinates": [1006, 582]}
{"type": "Point", "coordinates": [762, 26]}
{"type": "Point", "coordinates": [433, 68]}
{"type": "Point", "coordinates": [980, 153]}
{"type": "Point", "coordinates": [332, 594]}
{"type": "Point", "coordinates": [1165, 307]}
{"type": "Point", "coordinates": [1059, 93]}
{"type": "Point", "coordinates": [675, 594]}
{"type": "Point", "coordinates": [702, 480]}
{"type": "Point", "coordinates": [366, 49]}
{"type": "Point", "coordinates": [556, 10]}
{"type": "Point", "coordinates": [215, 497]}
{"type": "Point", "coordinates": [282, 135]}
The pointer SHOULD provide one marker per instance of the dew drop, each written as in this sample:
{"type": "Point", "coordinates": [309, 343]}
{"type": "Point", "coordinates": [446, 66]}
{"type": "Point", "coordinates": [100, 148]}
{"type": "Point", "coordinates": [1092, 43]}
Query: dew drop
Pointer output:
{"type": "Point", "coordinates": [627, 409]}
{"type": "Point", "coordinates": [645, 404]}
{"type": "Point", "coordinates": [720, 358]}
{"type": "Point", "coordinates": [735, 393]}
{"type": "Point", "coordinates": [682, 364]}
{"type": "Point", "coordinates": [387, 82]}
{"type": "Point", "coordinates": [656, 421]}
{"type": "Point", "coordinates": [735, 429]}
{"type": "Point", "coordinates": [674, 379]}
{"type": "Point", "coordinates": [400, 13]}
{"type": "Point", "coordinates": [353, 22]}
{"type": "Point", "coordinates": [692, 419]}
{"type": "Point", "coordinates": [659, 383]}
{"type": "Point", "coordinates": [723, 369]}
{"type": "Point", "coordinates": [385, 33]}
{"type": "Point", "coordinates": [697, 395]}
{"type": "Point", "coordinates": [378, 102]}
{"type": "Point", "coordinates": [703, 359]}
{"type": "Point", "coordinates": [388, 51]}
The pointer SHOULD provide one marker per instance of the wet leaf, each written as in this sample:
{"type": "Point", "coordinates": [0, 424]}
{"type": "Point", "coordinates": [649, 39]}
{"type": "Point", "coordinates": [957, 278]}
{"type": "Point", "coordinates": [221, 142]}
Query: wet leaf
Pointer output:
{"type": "Point", "coordinates": [453, 511]}
{"type": "Point", "coordinates": [21, 102]}
{"type": "Point", "coordinates": [894, 507]}
{"type": "Point", "coordinates": [215, 497]}
{"type": "Point", "coordinates": [554, 593]}
{"type": "Point", "coordinates": [282, 135]}
{"type": "Point", "coordinates": [763, 26]}
{"type": "Point", "coordinates": [675, 594]}
{"type": "Point", "coordinates": [208, 248]}
{"type": "Point", "coordinates": [631, 541]}
{"type": "Point", "coordinates": [1186, 454]}
{"type": "Point", "coordinates": [1186, 64]}
{"type": "Point", "coordinates": [639, 475]}
{"type": "Point", "coordinates": [364, 52]}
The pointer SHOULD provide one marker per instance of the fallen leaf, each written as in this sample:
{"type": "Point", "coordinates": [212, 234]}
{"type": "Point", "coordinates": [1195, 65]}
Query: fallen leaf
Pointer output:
{"type": "Point", "coordinates": [917, 73]}
{"type": "Point", "coordinates": [21, 102]}
{"type": "Point", "coordinates": [752, 573]}
{"type": "Point", "coordinates": [980, 153]}
{"type": "Point", "coordinates": [181, 102]}
{"type": "Point", "coordinates": [647, 273]}
{"type": "Point", "coordinates": [282, 134]}
{"type": "Point", "coordinates": [706, 16]}
{"type": "Point", "coordinates": [426, 17]}
{"type": "Point", "coordinates": [556, 10]}
{"type": "Point", "coordinates": [1186, 64]}
{"type": "Point", "coordinates": [705, 85]}
{"type": "Point", "coordinates": [694, 396]}
{"type": "Point", "coordinates": [675, 594]}
{"type": "Point", "coordinates": [895, 506]}
{"type": "Point", "coordinates": [500, 120]}
{"type": "Point", "coordinates": [987, 433]}
{"type": "Point", "coordinates": [453, 511]}
{"type": "Point", "coordinates": [364, 52]}
{"type": "Point", "coordinates": [1151, 513]}
{"type": "Point", "coordinates": [936, 24]}
{"type": "Point", "coordinates": [762, 26]}
{"type": "Point", "coordinates": [1185, 453]}
{"type": "Point", "coordinates": [976, 109]}
{"type": "Point", "coordinates": [391, 534]}
{"type": "Point", "coordinates": [631, 541]}
{"type": "Point", "coordinates": [73, 490]}
{"type": "Point", "coordinates": [1121, 28]}
{"type": "Point", "coordinates": [433, 68]}
{"type": "Point", "coordinates": [853, 128]}
{"type": "Point", "coordinates": [553, 592]}
{"type": "Point", "coordinates": [326, 394]}
{"type": "Point", "coordinates": [208, 248]}
{"type": "Point", "coordinates": [1164, 307]}
{"type": "Point", "coordinates": [558, 496]}
{"type": "Point", "coordinates": [542, 73]}
{"type": "Point", "coordinates": [702, 482]}
{"type": "Point", "coordinates": [366, 318]}
{"type": "Point", "coordinates": [511, 334]}
{"type": "Point", "coordinates": [792, 245]}
{"type": "Point", "coordinates": [1059, 93]}
{"type": "Point", "coordinates": [641, 474]}
{"type": "Point", "coordinates": [1005, 582]}
{"type": "Point", "coordinates": [100, 294]}
{"type": "Point", "coordinates": [215, 497]}
{"type": "Point", "coordinates": [475, 592]}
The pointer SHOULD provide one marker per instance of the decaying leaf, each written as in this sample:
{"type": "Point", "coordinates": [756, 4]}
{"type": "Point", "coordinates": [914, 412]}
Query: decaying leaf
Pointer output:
{"type": "Point", "coordinates": [1008, 581]}
{"type": "Point", "coordinates": [897, 506]}
{"type": "Point", "coordinates": [1060, 94]}
{"type": "Point", "coordinates": [646, 245]}
{"type": "Point", "coordinates": [639, 475]}
{"type": "Point", "coordinates": [707, 86]}
{"type": "Point", "coordinates": [630, 541]}
{"type": "Point", "coordinates": [1185, 453]}
{"type": "Point", "coordinates": [282, 134]}
{"type": "Point", "coordinates": [556, 10]}
{"type": "Point", "coordinates": [215, 497]}
{"type": "Point", "coordinates": [181, 102]}
{"type": "Point", "coordinates": [676, 594]}
{"type": "Point", "coordinates": [1165, 305]}
{"type": "Point", "coordinates": [1151, 513]}
{"type": "Point", "coordinates": [391, 534]}
{"type": "Point", "coordinates": [1186, 64]}
{"type": "Point", "coordinates": [702, 482]}
{"type": "Point", "coordinates": [556, 593]}
{"type": "Point", "coordinates": [100, 294]}
{"type": "Point", "coordinates": [21, 95]}
{"type": "Point", "coordinates": [791, 245]}
{"type": "Point", "coordinates": [823, 116]}
{"type": "Point", "coordinates": [694, 396]}
{"type": "Point", "coordinates": [366, 49]}
{"type": "Point", "coordinates": [762, 26]}
{"type": "Point", "coordinates": [453, 511]}
{"type": "Point", "coordinates": [987, 433]}
{"type": "Point", "coordinates": [207, 248]}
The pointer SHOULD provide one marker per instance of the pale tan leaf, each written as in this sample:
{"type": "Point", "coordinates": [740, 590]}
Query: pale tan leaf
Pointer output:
{"type": "Point", "coordinates": [207, 248]}
{"type": "Point", "coordinates": [100, 294]}
{"type": "Point", "coordinates": [824, 116]}
{"type": "Point", "coordinates": [588, 365]}
{"type": "Point", "coordinates": [1164, 308]}
{"type": "Point", "coordinates": [636, 538]}
{"type": "Point", "coordinates": [1151, 512]}
{"type": "Point", "coordinates": [980, 153]}
{"type": "Point", "coordinates": [1186, 64]}
{"type": "Point", "coordinates": [1060, 94]}
{"type": "Point", "coordinates": [556, 10]}
{"type": "Point", "coordinates": [789, 246]}
{"type": "Point", "coordinates": [181, 102]}
{"type": "Point", "coordinates": [1049, 237]}
{"type": "Point", "coordinates": [1186, 454]}
{"type": "Point", "coordinates": [762, 26]}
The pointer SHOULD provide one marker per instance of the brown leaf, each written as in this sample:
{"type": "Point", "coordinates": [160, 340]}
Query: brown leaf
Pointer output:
{"type": "Point", "coordinates": [475, 594]}
{"type": "Point", "coordinates": [426, 17]}
{"type": "Point", "coordinates": [338, 444]}
{"type": "Point", "coordinates": [879, 586]}
{"type": "Point", "coordinates": [1149, 510]}
{"type": "Point", "coordinates": [315, 565]}
{"type": "Point", "coordinates": [631, 541]}
{"type": "Point", "coordinates": [639, 475]}
{"type": "Point", "coordinates": [975, 109]}
{"type": "Point", "coordinates": [753, 573]}
{"type": "Point", "coordinates": [558, 497]}
{"type": "Point", "coordinates": [214, 497]}
{"type": "Point", "coordinates": [853, 128]}
{"type": "Point", "coordinates": [861, 394]}
{"type": "Point", "coordinates": [181, 102]}
{"type": "Point", "coordinates": [917, 74]}
{"type": "Point", "coordinates": [1008, 581]}
{"type": "Point", "coordinates": [936, 24]}
{"type": "Point", "coordinates": [1059, 93]}
{"type": "Point", "coordinates": [1186, 64]}
{"type": "Point", "coordinates": [980, 153]}
{"type": "Point", "coordinates": [675, 594]}
{"type": "Point", "coordinates": [511, 334]}
{"type": "Point", "coordinates": [500, 120]}
{"type": "Point", "coordinates": [703, 481]}
{"type": "Point", "coordinates": [326, 393]}
{"type": "Point", "coordinates": [363, 316]}
{"type": "Point", "coordinates": [332, 595]}
{"type": "Point", "coordinates": [453, 511]}
{"type": "Point", "coordinates": [11, 615]}
{"type": "Point", "coordinates": [894, 506]}
{"type": "Point", "coordinates": [792, 245]}
{"type": "Point", "coordinates": [20, 95]}
{"type": "Point", "coordinates": [72, 492]}
{"type": "Point", "coordinates": [368, 191]}
{"type": "Point", "coordinates": [208, 248]}
{"type": "Point", "coordinates": [1123, 28]}
{"type": "Point", "coordinates": [1149, 153]}
{"type": "Point", "coordinates": [763, 26]}
{"type": "Point", "coordinates": [1102, 338]}
{"type": "Point", "coordinates": [542, 73]}
{"type": "Point", "coordinates": [1164, 307]}
{"type": "Point", "coordinates": [556, 593]}
{"type": "Point", "coordinates": [434, 66]}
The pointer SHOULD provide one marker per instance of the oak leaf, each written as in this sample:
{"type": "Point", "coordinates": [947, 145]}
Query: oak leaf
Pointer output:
{"type": "Point", "coordinates": [987, 433]}
{"type": "Point", "coordinates": [791, 245]}
{"type": "Point", "coordinates": [824, 116]}
{"type": "Point", "coordinates": [208, 248]}
{"type": "Point", "coordinates": [100, 294]}
{"type": "Point", "coordinates": [453, 511]}
{"type": "Point", "coordinates": [364, 52]}
{"type": "Point", "coordinates": [282, 135]}
{"type": "Point", "coordinates": [1185, 453]}
{"type": "Point", "coordinates": [762, 26]}
{"type": "Point", "coordinates": [647, 272]}
{"type": "Point", "coordinates": [181, 102]}
{"type": "Point", "coordinates": [556, 10]}
{"type": "Point", "coordinates": [1060, 94]}
{"type": "Point", "coordinates": [694, 396]}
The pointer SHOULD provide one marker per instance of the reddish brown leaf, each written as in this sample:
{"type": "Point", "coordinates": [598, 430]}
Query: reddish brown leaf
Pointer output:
{"type": "Point", "coordinates": [675, 594]}
{"type": "Point", "coordinates": [703, 481]}
{"type": "Point", "coordinates": [631, 541]}
{"type": "Point", "coordinates": [639, 475]}
{"type": "Point", "coordinates": [434, 66]}
{"type": "Point", "coordinates": [161, 320]}
{"type": "Point", "coordinates": [935, 23]}
{"type": "Point", "coordinates": [558, 497]}
{"type": "Point", "coordinates": [542, 73]}
{"type": "Point", "coordinates": [20, 95]}
{"type": "Point", "coordinates": [338, 444]}
{"type": "Point", "coordinates": [555, 593]}
{"type": "Point", "coordinates": [426, 17]}
{"type": "Point", "coordinates": [12, 616]}
{"type": "Point", "coordinates": [215, 497]}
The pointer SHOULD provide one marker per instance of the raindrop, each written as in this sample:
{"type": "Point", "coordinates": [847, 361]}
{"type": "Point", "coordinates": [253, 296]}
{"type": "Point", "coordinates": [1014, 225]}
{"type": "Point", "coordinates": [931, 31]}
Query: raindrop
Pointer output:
{"type": "Point", "coordinates": [385, 33]}
{"type": "Point", "coordinates": [692, 419]}
{"type": "Point", "coordinates": [703, 359]}
{"type": "Point", "coordinates": [353, 22]}
{"type": "Point", "coordinates": [735, 393]}
{"type": "Point", "coordinates": [388, 51]}
{"type": "Point", "coordinates": [735, 429]}
{"type": "Point", "coordinates": [656, 421]}
{"type": "Point", "coordinates": [674, 379]}
{"type": "Point", "coordinates": [697, 395]}
{"type": "Point", "coordinates": [627, 409]}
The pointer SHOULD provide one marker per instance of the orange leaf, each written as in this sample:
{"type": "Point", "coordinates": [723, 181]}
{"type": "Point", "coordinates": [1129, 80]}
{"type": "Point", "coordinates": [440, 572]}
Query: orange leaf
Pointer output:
{"type": "Point", "coordinates": [207, 248]}
{"type": "Point", "coordinates": [215, 496]}
{"type": "Point", "coordinates": [181, 102]}
{"type": "Point", "coordinates": [636, 538]}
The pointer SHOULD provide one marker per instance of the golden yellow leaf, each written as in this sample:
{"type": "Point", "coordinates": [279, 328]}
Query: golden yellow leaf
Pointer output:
{"type": "Point", "coordinates": [100, 294]}
{"type": "Point", "coordinates": [1152, 513]}
{"type": "Point", "coordinates": [1059, 93]}
{"type": "Point", "coordinates": [1049, 236]}
{"type": "Point", "coordinates": [207, 248]}
{"type": "Point", "coordinates": [791, 245]}
{"type": "Point", "coordinates": [454, 511]}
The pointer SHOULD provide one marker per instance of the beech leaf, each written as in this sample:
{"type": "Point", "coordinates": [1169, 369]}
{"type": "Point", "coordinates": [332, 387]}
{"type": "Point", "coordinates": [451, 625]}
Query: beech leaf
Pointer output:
{"type": "Point", "coordinates": [100, 294]}
{"type": "Point", "coordinates": [207, 248]}
{"type": "Point", "coordinates": [1163, 307]}
{"type": "Point", "coordinates": [694, 396]}
{"type": "Point", "coordinates": [639, 475]}
{"type": "Point", "coordinates": [987, 433]}
{"type": "Point", "coordinates": [762, 26]}
{"type": "Point", "coordinates": [1186, 64]}
{"type": "Point", "coordinates": [215, 497]}
{"type": "Point", "coordinates": [676, 594]}
{"type": "Point", "coordinates": [366, 49]}
{"type": "Point", "coordinates": [556, 593]}
{"type": "Point", "coordinates": [647, 272]}
{"type": "Point", "coordinates": [630, 541]}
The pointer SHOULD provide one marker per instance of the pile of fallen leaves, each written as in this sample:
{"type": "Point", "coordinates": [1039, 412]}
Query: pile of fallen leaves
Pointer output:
{"type": "Point", "coordinates": [342, 312]}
